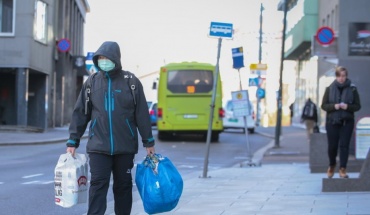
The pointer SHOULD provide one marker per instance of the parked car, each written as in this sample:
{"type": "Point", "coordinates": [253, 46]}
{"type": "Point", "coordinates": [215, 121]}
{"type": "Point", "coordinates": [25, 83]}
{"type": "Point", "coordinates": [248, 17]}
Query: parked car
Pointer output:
{"type": "Point", "coordinates": [152, 107]}
{"type": "Point", "coordinates": [231, 122]}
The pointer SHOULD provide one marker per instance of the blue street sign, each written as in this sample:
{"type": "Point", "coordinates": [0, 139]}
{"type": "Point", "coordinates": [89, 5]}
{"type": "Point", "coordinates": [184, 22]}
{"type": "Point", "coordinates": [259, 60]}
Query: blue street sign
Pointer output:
{"type": "Point", "coordinates": [219, 29]}
{"type": "Point", "coordinates": [253, 82]}
{"type": "Point", "coordinates": [260, 93]}
{"type": "Point", "coordinates": [238, 59]}
{"type": "Point", "coordinates": [91, 68]}
{"type": "Point", "coordinates": [64, 45]}
{"type": "Point", "coordinates": [325, 35]}
{"type": "Point", "coordinates": [89, 55]}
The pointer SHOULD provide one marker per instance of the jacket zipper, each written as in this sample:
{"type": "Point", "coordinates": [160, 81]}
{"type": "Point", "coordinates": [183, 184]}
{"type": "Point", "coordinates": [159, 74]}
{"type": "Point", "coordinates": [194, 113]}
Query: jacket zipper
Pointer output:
{"type": "Point", "coordinates": [110, 113]}
{"type": "Point", "coordinates": [129, 126]}
{"type": "Point", "coordinates": [92, 128]}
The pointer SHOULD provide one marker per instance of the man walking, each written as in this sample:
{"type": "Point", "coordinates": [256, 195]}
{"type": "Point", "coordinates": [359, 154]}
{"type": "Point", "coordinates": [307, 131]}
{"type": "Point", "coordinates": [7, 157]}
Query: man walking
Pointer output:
{"type": "Point", "coordinates": [113, 101]}
{"type": "Point", "coordinates": [309, 116]}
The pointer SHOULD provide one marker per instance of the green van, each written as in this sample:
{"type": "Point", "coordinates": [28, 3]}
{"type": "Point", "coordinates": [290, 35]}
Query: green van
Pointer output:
{"type": "Point", "coordinates": [184, 100]}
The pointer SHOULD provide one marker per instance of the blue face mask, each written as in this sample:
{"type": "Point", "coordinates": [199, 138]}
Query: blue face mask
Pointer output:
{"type": "Point", "coordinates": [106, 65]}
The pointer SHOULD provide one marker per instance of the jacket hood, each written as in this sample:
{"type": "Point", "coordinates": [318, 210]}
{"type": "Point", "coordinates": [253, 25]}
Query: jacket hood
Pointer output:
{"type": "Point", "coordinates": [110, 50]}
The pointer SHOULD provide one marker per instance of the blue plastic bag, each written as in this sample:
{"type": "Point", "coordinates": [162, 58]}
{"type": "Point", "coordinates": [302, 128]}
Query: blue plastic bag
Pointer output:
{"type": "Point", "coordinates": [159, 183]}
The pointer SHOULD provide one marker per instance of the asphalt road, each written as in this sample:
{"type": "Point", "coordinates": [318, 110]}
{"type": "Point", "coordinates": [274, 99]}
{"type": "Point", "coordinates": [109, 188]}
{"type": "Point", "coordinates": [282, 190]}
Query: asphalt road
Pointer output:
{"type": "Point", "coordinates": [27, 172]}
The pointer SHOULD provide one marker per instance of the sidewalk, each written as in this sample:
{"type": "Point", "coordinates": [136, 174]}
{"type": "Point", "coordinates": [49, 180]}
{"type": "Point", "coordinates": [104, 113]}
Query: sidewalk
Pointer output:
{"type": "Point", "coordinates": [282, 185]}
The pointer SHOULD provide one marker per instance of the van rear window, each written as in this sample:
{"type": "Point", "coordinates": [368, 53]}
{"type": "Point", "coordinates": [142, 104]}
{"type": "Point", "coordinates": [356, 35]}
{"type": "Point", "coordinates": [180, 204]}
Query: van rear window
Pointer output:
{"type": "Point", "coordinates": [190, 81]}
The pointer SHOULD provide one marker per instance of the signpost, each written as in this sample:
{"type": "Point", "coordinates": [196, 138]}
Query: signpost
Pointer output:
{"type": "Point", "coordinates": [260, 93]}
{"type": "Point", "coordinates": [259, 69]}
{"type": "Point", "coordinates": [89, 55]}
{"type": "Point", "coordinates": [221, 30]}
{"type": "Point", "coordinates": [218, 30]}
{"type": "Point", "coordinates": [240, 100]}
{"type": "Point", "coordinates": [325, 35]}
{"type": "Point", "coordinates": [64, 45]}
{"type": "Point", "coordinates": [238, 58]}
{"type": "Point", "coordinates": [253, 82]}
{"type": "Point", "coordinates": [90, 67]}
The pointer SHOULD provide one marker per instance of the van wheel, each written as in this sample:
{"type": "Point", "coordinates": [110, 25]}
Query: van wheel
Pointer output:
{"type": "Point", "coordinates": [215, 136]}
{"type": "Point", "coordinates": [251, 130]}
{"type": "Point", "coordinates": [163, 135]}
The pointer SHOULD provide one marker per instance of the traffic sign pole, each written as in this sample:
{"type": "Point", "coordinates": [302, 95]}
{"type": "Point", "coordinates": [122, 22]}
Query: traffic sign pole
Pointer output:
{"type": "Point", "coordinates": [219, 30]}
{"type": "Point", "coordinates": [205, 166]}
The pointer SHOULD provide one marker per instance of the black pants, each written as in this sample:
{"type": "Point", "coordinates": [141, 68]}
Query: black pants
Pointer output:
{"type": "Point", "coordinates": [101, 167]}
{"type": "Point", "coordinates": [339, 135]}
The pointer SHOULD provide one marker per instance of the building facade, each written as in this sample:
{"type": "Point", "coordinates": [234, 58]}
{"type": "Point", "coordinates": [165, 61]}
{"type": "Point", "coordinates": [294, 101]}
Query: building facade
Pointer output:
{"type": "Point", "coordinates": [351, 22]}
{"type": "Point", "coordinates": [315, 63]}
{"type": "Point", "coordinates": [302, 19]}
{"type": "Point", "coordinates": [39, 77]}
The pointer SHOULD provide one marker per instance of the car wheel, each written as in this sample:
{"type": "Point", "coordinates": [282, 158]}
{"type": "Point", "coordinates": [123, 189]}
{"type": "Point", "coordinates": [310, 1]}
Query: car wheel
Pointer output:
{"type": "Point", "coordinates": [251, 130]}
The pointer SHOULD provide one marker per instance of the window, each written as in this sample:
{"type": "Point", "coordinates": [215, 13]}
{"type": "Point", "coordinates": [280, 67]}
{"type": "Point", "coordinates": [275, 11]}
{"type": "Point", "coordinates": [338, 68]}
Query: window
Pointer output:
{"type": "Point", "coordinates": [7, 17]}
{"type": "Point", "coordinates": [40, 26]}
{"type": "Point", "coordinates": [332, 19]}
{"type": "Point", "coordinates": [295, 14]}
{"type": "Point", "coordinates": [190, 81]}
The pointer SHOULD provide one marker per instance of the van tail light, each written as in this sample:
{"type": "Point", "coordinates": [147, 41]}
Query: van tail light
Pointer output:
{"type": "Point", "coordinates": [221, 113]}
{"type": "Point", "coordinates": [253, 116]}
{"type": "Point", "coordinates": [159, 112]}
{"type": "Point", "coordinates": [151, 112]}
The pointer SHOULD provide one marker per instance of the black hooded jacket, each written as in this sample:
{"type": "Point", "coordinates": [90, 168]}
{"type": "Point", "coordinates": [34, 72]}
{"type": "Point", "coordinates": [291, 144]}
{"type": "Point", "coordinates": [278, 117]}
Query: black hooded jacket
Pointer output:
{"type": "Point", "coordinates": [115, 119]}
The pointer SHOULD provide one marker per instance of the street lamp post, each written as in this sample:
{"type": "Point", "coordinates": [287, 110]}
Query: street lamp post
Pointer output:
{"type": "Point", "coordinates": [279, 96]}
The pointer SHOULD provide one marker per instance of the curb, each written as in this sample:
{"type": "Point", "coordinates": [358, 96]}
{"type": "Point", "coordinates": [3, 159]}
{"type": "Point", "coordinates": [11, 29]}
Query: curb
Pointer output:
{"type": "Point", "coordinates": [50, 141]}
{"type": "Point", "coordinates": [265, 134]}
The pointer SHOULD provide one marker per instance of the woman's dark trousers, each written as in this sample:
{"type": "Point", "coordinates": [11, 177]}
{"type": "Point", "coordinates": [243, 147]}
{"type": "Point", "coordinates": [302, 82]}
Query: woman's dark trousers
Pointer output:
{"type": "Point", "coordinates": [339, 135]}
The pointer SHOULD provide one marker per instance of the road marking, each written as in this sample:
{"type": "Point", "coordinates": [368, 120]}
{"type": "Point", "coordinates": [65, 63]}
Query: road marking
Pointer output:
{"type": "Point", "coordinates": [240, 158]}
{"type": "Point", "coordinates": [47, 182]}
{"type": "Point", "coordinates": [194, 158]}
{"type": "Point", "coordinates": [31, 176]}
{"type": "Point", "coordinates": [31, 182]}
{"type": "Point", "coordinates": [187, 166]}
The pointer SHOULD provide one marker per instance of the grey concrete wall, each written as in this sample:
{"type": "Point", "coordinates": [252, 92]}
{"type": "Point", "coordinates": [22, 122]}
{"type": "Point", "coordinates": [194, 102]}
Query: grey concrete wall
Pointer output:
{"type": "Point", "coordinates": [327, 7]}
{"type": "Point", "coordinates": [23, 50]}
{"type": "Point", "coordinates": [358, 66]}
{"type": "Point", "coordinates": [42, 55]}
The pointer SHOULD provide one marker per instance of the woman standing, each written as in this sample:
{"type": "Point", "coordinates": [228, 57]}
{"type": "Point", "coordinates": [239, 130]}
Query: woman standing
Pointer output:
{"type": "Point", "coordinates": [340, 101]}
